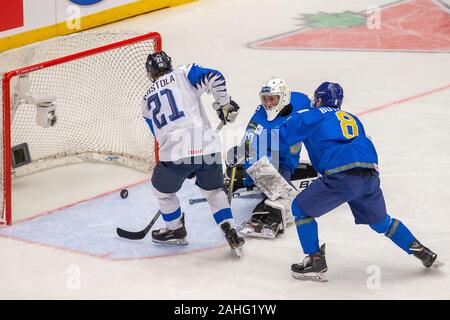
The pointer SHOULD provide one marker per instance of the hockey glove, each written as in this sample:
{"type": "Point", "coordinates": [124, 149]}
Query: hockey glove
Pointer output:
{"type": "Point", "coordinates": [228, 112]}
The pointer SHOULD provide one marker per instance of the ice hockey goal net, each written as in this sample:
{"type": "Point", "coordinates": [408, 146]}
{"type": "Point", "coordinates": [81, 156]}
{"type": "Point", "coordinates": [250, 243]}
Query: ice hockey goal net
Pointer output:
{"type": "Point", "coordinates": [72, 99]}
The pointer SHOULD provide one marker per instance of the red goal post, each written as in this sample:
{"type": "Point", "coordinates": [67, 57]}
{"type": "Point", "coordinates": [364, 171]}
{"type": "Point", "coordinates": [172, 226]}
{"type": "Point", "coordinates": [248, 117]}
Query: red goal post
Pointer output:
{"type": "Point", "coordinates": [93, 82]}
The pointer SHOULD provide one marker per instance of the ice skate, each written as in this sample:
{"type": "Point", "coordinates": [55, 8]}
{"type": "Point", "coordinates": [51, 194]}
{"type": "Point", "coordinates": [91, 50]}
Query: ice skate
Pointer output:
{"type": "Point", "coordinates": [234, 241]}
{"type": "Point", "coordinates": [425, 255]}
{"type": "Point", "coordinates": [312, 268]}
{"type": "Point", "coordinates": [167, 236]}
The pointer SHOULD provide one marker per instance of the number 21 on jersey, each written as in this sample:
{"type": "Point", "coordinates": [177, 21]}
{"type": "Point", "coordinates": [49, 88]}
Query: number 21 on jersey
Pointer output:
{"type": "Point", "coordinates": [154, 101]}
{"type": "Point", "coordinates": [348, 124]}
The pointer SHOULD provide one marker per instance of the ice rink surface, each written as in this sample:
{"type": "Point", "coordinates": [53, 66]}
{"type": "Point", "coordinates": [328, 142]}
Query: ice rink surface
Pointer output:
{"type": "Point", "coordinates": [63, 245]}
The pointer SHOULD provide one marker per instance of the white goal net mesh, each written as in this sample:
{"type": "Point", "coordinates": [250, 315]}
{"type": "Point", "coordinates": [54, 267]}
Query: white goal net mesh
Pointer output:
{"type": "Point", "coordinates": [97, 103]}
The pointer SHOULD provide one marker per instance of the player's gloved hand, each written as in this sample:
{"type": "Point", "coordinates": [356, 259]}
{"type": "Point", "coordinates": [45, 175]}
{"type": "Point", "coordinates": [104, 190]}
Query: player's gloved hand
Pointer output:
{"type": "Point", "coordinates": [228, 112]}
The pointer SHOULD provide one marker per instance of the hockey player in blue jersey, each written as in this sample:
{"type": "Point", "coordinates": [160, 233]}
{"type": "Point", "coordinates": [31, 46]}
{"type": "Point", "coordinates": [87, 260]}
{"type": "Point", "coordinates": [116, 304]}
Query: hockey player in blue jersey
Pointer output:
{"type": "Point", "coordinates": [347, 161]}
{"type": "Point", "coordinates": [173, 109]}
{"type": "Point", "coordinates": [278, 103]}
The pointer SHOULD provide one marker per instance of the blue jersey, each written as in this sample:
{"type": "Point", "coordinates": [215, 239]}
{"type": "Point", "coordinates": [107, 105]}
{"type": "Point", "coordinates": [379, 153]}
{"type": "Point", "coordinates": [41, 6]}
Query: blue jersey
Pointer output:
{"type": "Point", "coordinates": [335, 139]}
{"type": "Point", "coordinates": [264, 135]}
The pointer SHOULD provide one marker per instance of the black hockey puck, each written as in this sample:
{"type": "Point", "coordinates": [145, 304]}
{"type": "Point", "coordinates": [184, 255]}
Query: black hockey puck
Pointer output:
{"type": "Point", "coordinates": [124, 193]}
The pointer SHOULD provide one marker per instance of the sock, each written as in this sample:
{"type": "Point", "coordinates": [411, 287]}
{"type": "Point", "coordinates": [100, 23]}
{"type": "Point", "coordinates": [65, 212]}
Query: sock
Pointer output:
{"type": "Point", "coordinates": [172, 219]}
{"type": "Point", "coordinates": [396, 231]}
{"type": "Point", "coordinates": [223, 215]}
{"type": "Point", "coordinates": [307, 230]}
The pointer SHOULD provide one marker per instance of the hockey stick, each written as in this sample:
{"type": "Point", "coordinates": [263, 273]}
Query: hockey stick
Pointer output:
{"type": "Point", "coordinates": [220, 126]}
{"type": "Point", "coordinates": [237, 195]}
{"type": "Point", "coordinates": [230, 187]}
{"type": "Point", "coordinates": [233, 172]}
{"type": "Point", "coordinates": [137, 235]}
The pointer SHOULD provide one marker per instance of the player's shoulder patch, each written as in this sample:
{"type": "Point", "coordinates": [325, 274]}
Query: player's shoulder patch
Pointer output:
{"type": "Point", "coordinates": [296, 148]}
{"type": "Point", "coordinates": [259, 129]}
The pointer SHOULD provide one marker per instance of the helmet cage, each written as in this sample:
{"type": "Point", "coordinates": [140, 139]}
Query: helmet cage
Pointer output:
{"type": "Point", "coordinates": [275, 87]}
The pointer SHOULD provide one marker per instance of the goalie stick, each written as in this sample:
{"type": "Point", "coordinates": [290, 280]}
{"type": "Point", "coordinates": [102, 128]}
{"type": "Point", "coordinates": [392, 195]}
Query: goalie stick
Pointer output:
{"type": "Point", "coordinates": [240, 195]}
{"type": "Point", "coordinates": [137, 235]}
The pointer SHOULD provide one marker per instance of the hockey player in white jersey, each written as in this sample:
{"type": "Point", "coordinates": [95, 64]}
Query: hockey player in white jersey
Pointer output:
{"type": "Point", "coordinates": [188, 145]}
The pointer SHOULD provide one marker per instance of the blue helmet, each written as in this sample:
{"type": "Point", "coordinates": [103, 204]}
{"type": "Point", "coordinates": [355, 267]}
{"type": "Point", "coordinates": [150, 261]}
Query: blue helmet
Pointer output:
{"type": "Point", "coordinates": [328, 94]}
{"type": "Point", "coordinates": [157, 64]}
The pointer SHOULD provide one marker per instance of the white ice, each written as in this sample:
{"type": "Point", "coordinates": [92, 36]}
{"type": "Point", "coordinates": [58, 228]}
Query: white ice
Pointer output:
{"type": "Point", "coordinates": [412, 139]}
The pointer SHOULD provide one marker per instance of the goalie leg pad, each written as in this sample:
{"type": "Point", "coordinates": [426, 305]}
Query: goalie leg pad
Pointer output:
{"type": "Point", "coordinates": [266, 221]}
{"type": "Point", "coordinates": [283, 206]}
{"type": "Point", "coordinates": [258, 229]}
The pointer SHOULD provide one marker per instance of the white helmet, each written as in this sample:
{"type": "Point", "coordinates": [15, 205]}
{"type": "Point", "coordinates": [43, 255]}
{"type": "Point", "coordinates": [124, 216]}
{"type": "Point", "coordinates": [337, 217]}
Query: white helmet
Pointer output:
{"type": "Point", "coordinates": [275, 87]}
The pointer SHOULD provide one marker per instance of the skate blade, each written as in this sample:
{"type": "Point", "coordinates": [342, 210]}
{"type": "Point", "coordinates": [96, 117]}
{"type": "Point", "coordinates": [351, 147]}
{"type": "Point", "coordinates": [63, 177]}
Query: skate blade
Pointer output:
{"type": "Point", "coordinates": [179, 242]}
{"type": "Point", "coordinates": [244, 227]}
{"type": "Point", "coordinates": [251, 233]}
{"type": "Point", "coordinates": [316, 277]}
{"type": "Point", "coordinates": [237, 252]}
{"type": "Point", "coordinates": [438, 264]}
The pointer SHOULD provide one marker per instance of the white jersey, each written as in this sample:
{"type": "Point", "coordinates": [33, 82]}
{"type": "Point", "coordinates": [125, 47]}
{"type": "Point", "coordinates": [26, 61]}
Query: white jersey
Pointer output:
{"type": "Point", "coordinates": [173, 109]}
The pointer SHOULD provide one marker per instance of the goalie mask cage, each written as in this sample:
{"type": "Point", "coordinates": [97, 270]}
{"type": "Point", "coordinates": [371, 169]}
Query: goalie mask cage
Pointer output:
{"type": "Point", "coordinates": [98, 80]}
